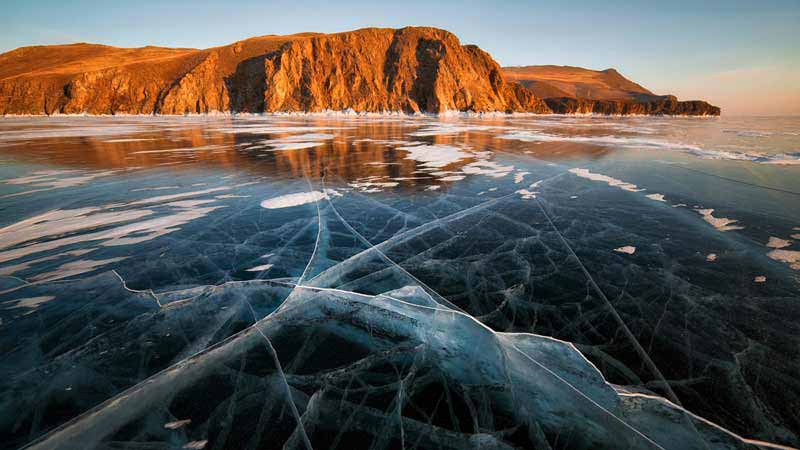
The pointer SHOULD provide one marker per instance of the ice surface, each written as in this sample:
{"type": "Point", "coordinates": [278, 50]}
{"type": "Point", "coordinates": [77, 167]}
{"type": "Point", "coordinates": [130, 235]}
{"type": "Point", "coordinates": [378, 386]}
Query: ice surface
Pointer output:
{"type": "Point", "coordinates": [405, 282]}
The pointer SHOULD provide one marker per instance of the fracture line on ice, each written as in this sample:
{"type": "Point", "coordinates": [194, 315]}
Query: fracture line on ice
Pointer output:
{"type": "Point", "coordinates": [401, 237]}
{"type": "Point", "coordinates": [733, 180]}
{"type": "Point", "coordinates": [639, 349]}
{"type": "Point", "coordinates": [277, 362]}
{"type": "Point", "coordinates": [136, 291]}
{"type": "Point", "coordinates": [608, 303]}
{"type": "Point", "coordinates": [384, 256]}
{"type": "Point", "coordinates": [213, 351]}
{"type": "Point", "coordinates": [532, 359]}
{"type": "Point", "coordinates": [319, 232]}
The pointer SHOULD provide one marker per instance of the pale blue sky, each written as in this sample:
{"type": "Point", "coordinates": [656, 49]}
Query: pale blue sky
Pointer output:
{"type": "Point", "coordinates": [744, 56]}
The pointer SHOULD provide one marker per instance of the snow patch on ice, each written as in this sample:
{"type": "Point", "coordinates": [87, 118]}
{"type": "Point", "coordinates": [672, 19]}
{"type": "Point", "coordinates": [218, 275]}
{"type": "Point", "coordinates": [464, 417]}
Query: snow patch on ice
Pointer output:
{"type": "Point", "coordinates": [297, 199]}
{"type": "Point", "coordinates": [520, 176]}
{"type": "Point", "coordinates": [720, 223]}
{"type": "Point", "coordinates": [488, 168]}
{"type": "Point", "coordinates": [435, 155]}
{"type": "Point", "coordinates": [260, 268]}
{"type": "Point", "coordinates": [790, 257]}
{"type": "Point", "coordinates": [775, 242]}
{"type": "Point", "coordinates": [526, 194]}
{"type": "Point", "coordinates": [31, 302]}
{"type": "Point", "coordinates": [584, 173]}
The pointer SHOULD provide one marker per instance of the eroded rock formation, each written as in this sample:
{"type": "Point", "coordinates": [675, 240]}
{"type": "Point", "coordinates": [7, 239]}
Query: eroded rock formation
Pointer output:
{"type": "Point", "coordinates": [414, 69]}
{"type": "Point", "coordinates": [410, 69]}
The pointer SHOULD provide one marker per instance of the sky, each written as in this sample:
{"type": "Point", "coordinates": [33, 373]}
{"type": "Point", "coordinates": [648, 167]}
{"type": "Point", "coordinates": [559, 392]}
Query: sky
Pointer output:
{"type": "Point", "coordinates": [743, 56]}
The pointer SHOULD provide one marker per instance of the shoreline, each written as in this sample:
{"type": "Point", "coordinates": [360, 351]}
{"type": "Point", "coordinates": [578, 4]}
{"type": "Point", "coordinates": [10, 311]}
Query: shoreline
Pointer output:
{"type": "Point", "coordinates": [354, 114]}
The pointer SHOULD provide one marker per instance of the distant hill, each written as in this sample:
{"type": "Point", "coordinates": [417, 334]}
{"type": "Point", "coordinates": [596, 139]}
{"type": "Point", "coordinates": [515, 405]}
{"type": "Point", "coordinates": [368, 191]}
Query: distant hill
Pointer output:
{"type": "Point", "coordinates": [413, 69]}
{"type": "Point", "coordinates": [575, 90]}
{"type": "Point", "coordinates": [577, 82]}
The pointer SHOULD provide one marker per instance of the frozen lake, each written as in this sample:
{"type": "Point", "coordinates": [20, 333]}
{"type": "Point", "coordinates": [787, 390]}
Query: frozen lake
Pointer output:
{"type": "Point", "coordinates": [399, 282]}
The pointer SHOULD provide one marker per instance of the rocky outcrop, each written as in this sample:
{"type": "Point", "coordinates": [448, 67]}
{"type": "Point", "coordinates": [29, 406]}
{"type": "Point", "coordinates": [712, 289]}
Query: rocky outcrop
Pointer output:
{"type": "Point", "coordinates": [665, 105]}
{"type": "Point", "coordinates": [414, 69]}
{"type": "Point", "coordinates": [411, 69]}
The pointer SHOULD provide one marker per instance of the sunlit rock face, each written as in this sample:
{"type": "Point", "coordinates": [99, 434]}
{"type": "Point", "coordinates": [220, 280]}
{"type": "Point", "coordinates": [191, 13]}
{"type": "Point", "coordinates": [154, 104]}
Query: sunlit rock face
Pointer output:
{"type": "Point", "coordinates": [412, 69]}
{"type": "Point", "coordinates": [394, 281]}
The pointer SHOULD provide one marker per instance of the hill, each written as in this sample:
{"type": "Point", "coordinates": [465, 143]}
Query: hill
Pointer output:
{"type": "Point", "coordinates": [413, 69]}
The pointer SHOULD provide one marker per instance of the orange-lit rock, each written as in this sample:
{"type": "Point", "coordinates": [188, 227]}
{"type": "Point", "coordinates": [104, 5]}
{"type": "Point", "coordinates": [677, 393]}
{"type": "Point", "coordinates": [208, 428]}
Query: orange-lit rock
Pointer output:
{"type": "Point", "coordinates": [410, 69]}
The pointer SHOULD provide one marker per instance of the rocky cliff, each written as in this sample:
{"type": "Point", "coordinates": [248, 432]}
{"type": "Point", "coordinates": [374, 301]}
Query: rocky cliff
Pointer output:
{"type": "Point", "coordinates": [575, 90]}
{"type": "Point", "coordinates": [664, 105]}
{"type": "Point", "coordinates": [410, 69]}
{"type": "Point", "coordinates": [414, 69]}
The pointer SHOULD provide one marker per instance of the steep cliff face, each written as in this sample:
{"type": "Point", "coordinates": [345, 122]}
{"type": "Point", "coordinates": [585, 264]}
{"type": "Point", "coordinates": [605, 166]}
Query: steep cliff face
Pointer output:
{"type": "Point", "coordinates": [410, 69]}
{"type": "Point", "coordinates": [665, 105]}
